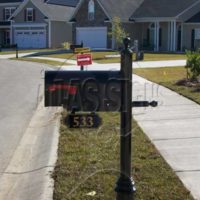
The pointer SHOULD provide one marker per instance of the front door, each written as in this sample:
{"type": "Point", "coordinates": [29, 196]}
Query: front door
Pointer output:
{"type": "Point", "coordinates": [179, 39]}
{"type": "Point", "coordinates": [6, 37]}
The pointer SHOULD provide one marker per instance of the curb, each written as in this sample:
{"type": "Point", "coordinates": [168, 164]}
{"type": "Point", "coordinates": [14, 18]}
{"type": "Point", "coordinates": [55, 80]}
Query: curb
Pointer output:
{"type": "Point", "coordinates": [28, 175]}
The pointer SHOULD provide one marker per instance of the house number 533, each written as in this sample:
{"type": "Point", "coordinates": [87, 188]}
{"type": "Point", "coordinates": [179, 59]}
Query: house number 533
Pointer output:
{"type": "Point", "coordinates": [83, 121]}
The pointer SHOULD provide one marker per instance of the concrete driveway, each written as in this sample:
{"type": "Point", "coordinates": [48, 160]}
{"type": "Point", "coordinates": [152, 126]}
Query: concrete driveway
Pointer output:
{"type": "Point", "coordinates": [26, 135]}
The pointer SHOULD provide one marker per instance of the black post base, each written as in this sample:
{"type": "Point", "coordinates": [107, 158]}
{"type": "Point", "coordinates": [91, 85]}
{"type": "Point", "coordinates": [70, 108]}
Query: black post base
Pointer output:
{"type": "Point", "coordinates": [125, 188]}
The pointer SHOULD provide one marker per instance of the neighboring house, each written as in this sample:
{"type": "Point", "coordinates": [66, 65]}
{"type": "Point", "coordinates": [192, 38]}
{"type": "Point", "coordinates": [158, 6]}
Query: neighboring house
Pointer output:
{"type": "Point", "coordinates": [158, 25]}
{"type": "Point", "coordinates": [168, 25]}
{"type": "Point", "coordinates": [7, 8]}
{"type": "Point", "coordinates": [35, 23]}
{"type": "Point", "coordinates": [92, 21]}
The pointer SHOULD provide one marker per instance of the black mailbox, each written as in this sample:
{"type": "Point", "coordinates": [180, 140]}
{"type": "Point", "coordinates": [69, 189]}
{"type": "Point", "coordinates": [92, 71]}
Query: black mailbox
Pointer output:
{"type": "Point", "coordinates": [88, 91]}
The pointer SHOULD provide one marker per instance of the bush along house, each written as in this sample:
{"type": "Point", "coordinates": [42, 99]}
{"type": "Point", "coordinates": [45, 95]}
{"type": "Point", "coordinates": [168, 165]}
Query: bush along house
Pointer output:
{"type": "Point", "coordinates": [158, 25]}
{"type": "Point", "coordinates": [35, 23]}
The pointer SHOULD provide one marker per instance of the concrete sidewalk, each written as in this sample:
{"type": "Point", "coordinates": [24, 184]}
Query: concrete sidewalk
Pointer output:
{"type": "Point", "coordinates": [174, 128]}
{"type": "Point", "coordinates": [116, 66]}
{"type": "Point", "coordinates": [163, 63]}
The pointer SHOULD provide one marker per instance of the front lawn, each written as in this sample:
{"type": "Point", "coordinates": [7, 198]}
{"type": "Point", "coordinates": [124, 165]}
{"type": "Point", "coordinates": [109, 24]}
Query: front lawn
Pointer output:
{"type": "Point", "coordinates": [88, 165]}
{"type": "Point", "coordinates": [100, 57]}
{"type": "Point", "coordinates": [167, 77]}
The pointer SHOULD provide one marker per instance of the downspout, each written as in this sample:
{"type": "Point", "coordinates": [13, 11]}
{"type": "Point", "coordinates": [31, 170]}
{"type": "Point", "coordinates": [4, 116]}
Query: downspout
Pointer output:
{"type": "Point", "coordinates": [174, 46]}
{"type": "Point", "coordinates": [49, 34]}
{"type": "Point", "coordinates": [11, 32]}
{"type": "Point", "coordinates": [181, 36]}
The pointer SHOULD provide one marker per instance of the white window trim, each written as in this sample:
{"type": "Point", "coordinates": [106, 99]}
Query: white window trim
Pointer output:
{"type": "Point", "coordinates": [10, 13]}
{"type": "Point", "coordinates": [27, 16]}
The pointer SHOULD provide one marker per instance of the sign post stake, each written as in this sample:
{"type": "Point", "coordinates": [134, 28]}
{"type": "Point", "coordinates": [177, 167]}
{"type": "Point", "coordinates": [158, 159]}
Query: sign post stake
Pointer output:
{"type": "Point", "coordinates": [82, 67]}
{"type": "Point", "coordinates": [125, 185]}
{"type": "Point", "coordinates": [16, 50]}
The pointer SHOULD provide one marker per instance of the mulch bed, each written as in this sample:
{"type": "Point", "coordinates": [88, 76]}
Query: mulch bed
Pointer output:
{"type": "Point", "coordinates": [191, 83]}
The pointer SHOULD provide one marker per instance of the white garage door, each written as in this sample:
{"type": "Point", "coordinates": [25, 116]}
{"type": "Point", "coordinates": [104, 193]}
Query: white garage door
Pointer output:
{"type": "Point", "coordinates": [93, 37]}
{"type": "Point", "coordinates": [30, 38]}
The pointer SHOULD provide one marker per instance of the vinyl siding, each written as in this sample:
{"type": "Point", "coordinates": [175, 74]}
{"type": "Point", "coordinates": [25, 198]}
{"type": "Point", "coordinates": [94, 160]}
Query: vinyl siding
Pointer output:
{"type": "Point", "coordinates": [60, 32]}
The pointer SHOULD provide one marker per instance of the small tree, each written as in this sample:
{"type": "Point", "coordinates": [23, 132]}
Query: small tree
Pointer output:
{"type": "Point", "coordinates": [117, 32]}
{"type": "Point", "coordinates": [193, 64]}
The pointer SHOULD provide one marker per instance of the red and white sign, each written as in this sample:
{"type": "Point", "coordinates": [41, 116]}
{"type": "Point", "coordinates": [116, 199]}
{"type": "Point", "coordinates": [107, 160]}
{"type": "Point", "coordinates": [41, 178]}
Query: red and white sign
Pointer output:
{"type": "Point", "coordinates": [84, 59]}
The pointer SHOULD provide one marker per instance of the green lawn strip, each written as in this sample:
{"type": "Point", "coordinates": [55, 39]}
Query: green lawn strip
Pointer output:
{"type": "Point", "coordinates": [167, 77]}
{"type": "Point", "coordinates": [97, 56]}
{"type": "Point", "coordinates": [100, 57]}
{"type": "Point", "coordinates": [88, 162]}
{"type": "Point", "coordinates": [163, 56]}
{"type": "Point", "coordinates": [48, 62]}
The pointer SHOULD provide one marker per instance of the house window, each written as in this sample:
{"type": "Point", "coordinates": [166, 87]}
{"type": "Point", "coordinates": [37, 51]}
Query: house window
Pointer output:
{"type": "Point", "coordinates": [29, 15]}
{"type": "Point", "coordinates": [7, 37]}
{"type": "Point", "coordinates": [8, 12]}
{"type": "Point", "coordinates": [91, 10]}
{"type": "Point", "coordinates": [151, 34]}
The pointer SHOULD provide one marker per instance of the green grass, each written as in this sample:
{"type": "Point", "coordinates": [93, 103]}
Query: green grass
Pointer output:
{"type": "Point", "coordinates": [167, 77]}
{"type": "Point", "coordinates": [48, 62]}
{"type": "Point", "coordinates": [99, 57]}
{"type": "Point", "coordinates": [163, 56]}
{"type": "Point", "coordinates": [88, 160]}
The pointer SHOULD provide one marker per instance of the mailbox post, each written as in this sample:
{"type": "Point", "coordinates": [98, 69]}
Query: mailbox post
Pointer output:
{"type": "Point", "coordinates": [99, 91]}
{"type": "Point", "coordinates": [125, 185]}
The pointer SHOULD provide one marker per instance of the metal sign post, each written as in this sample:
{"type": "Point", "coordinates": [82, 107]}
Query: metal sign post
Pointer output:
{"type": "Point", "coordinates": [125, 185]}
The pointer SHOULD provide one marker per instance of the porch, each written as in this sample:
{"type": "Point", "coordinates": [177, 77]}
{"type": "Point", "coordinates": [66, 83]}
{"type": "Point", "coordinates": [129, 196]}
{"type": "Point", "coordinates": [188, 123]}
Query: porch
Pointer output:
{"type": "Point", "coordinates": [161, 36]}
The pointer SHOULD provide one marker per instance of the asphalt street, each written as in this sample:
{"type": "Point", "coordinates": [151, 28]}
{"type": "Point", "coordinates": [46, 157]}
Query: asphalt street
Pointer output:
{"type": "Point", "coordinates": [28, 133]}
{"type": "Point", "coordinates": [19, 87]}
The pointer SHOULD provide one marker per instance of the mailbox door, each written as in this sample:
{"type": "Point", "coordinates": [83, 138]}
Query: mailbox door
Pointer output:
{"type": "Point", "coordinates": [89, 91]}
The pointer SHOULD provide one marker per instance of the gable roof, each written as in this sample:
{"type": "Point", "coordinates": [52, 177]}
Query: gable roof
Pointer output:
{"type": "Point", "coordinates": [122, 8]}
{"type": "Point", "coordinates": [52, 12]}
{"type": "Point", "coordinates": [194, 19]}
{"type": "Point", "coordinates": [162, 8]}
{"type": "Point", "coordinates": [72, 3]}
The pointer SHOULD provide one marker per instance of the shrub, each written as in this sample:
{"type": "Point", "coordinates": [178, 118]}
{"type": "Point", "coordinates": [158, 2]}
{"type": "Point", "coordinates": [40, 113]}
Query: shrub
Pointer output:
{"type": "Point", "coordinates": [193, 64]}
{"type": "Point", "coordinates": [118, 32]}
{"type": "Point", "coordinates": [66, 45]}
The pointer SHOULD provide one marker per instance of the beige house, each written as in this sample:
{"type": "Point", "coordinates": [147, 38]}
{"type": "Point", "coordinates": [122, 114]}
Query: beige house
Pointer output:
{"type": "Point", "coordinates": [35, 23]}
{"type": "Point", "coordinates": [158, 25]}
{"type": "Point", "coordinates": [167, 25]}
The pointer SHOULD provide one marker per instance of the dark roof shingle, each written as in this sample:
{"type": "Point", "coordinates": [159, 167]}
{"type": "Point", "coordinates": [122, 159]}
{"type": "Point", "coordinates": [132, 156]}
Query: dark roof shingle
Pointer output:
{"type": "Point", "coordinates": [10, 1]}
{"type": "Point", "coordinates": [194, 19]}
{"type": "Point", "coordinates": [162, 8]}
{"type": "Point", "coordinates": [71, 3]}
{"type": "Point", "coordinates": [122, 8]}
